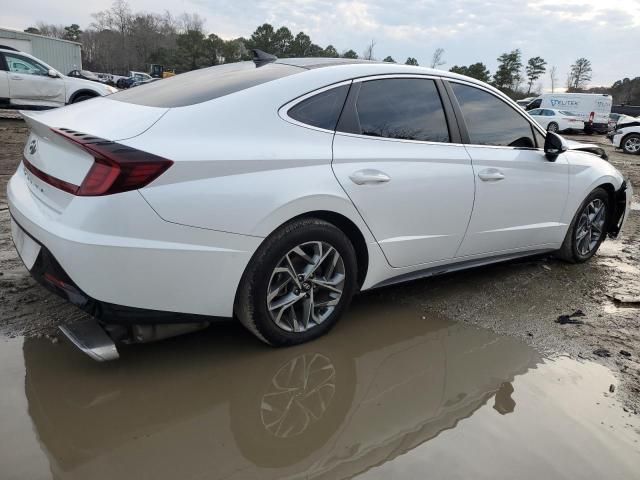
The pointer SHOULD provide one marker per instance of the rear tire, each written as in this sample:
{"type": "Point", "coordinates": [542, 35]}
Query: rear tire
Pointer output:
{"type": "Point", "coordinates": [553, 127]}
{"type": "Point", "coordinates": [298, 283]}
{"type": "Point", "coordinates": [588, 228]}
{"type": "Point", "coordinates": [82, 98]}
{"type": "Point", "coordinates": [631, 144]}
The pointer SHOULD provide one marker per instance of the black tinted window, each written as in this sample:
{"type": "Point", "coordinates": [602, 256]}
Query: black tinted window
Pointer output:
{"type": "Point", "coordinates": [490, 121]}
{"type": "Point", "coordinates": [405, 108]}
{"type": "Point", "coordinates": [205, 84]}
{"type": "Point", "coordinates": [321, 110]}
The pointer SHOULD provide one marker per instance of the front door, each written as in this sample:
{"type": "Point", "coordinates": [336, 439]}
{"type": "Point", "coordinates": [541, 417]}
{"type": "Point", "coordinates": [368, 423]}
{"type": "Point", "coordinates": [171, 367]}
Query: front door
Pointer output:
{"type": "Point", "coordinates": [520, 194]}
{"type": "Point", "coordinates": [30, 84]}
{"type": "Point", "coordinates": [412, 186]}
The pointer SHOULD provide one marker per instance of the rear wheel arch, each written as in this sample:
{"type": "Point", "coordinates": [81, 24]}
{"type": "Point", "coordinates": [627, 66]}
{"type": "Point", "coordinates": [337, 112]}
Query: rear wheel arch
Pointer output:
{"type": "Point", "coordinates": [82, 93]}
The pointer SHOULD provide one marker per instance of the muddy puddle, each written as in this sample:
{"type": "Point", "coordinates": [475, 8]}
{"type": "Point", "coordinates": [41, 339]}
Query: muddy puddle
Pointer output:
{"type": "Point", "coordinates": [390, 393]}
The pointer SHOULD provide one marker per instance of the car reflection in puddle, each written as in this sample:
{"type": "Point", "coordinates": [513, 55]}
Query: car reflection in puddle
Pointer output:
{"type": "Point", "coordinates": [220, 405]}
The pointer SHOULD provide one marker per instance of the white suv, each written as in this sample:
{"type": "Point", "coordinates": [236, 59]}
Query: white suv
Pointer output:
{"type": "Point", "coordinates": [26, 81]}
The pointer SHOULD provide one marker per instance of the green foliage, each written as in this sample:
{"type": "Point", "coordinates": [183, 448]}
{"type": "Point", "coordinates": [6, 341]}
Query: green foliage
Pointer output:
{"type": "Point", "coordinates": [350, 54]}
{"type": "Point", "coordinates": [389, 59]}
{"type": "Point", "coordinates": [32, 30]}
{"type": "Point", "coordinates": [330, 51]}
{"type": "Point", "coordinates": [192, 51]}
{"type": "Point", "coordinates": [72, 32]}
{"type": "Point", "coordinates": [477, 70]}
{"type": "Point", "coordinates": [536, 66]}
{"type": "Point", "coordinates": [508, 76]}
{"type": "Point", "coordinates": [411, 61]}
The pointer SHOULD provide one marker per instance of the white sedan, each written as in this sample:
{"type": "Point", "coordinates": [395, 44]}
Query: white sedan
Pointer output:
{"type": "Point", "coordinates": [26, 81]}
{"type": "Point", "coordinates": [557, 120]}
{"type": "Point", "coordinates": [272, 193]}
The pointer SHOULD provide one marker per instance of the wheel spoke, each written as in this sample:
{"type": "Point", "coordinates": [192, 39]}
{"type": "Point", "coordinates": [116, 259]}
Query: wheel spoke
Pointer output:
{"type": "Point", "coordinates": [305, 286]}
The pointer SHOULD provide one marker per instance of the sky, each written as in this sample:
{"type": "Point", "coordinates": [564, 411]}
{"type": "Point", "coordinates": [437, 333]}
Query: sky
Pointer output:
{"type": "Point", "coordinates": [560, 31]}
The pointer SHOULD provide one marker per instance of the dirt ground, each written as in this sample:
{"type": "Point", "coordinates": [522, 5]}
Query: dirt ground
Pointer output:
{"type": "Point", "coordinates": [522, 299]}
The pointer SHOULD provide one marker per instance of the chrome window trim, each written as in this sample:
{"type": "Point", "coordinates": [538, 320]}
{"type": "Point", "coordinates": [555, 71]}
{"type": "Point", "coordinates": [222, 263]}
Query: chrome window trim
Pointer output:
{"type": "Point", "coordinates": [283, 111]}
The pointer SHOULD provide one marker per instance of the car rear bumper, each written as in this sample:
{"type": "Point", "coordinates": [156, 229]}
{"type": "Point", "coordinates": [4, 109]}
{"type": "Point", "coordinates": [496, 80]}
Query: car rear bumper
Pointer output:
{"type": "Point", "coordinates": [145, 271]}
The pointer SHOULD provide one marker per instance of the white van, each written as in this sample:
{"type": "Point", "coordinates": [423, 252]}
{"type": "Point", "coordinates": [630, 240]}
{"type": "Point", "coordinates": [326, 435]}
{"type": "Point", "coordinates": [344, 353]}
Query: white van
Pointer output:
{"type": "Point", "coordinates": [592, 108]}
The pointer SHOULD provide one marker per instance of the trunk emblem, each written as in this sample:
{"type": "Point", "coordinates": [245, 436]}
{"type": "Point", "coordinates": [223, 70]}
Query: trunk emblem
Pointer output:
{"type": "Point", "coordinates": [33, 146]}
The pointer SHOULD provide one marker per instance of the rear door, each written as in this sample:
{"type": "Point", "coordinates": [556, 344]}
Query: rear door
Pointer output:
{"type": "Point", "coordinates": [30, 84]}
{"type": "Point", "coordinates": [402, 165]}
{"type": "Point", "coordinates": [520, 195]}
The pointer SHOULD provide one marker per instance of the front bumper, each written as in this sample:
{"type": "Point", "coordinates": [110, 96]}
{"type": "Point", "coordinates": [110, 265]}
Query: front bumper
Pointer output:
{"type": "Point", "coordinates": [616, 139]}
{"type": "Point", "coordinates": [623, 200]}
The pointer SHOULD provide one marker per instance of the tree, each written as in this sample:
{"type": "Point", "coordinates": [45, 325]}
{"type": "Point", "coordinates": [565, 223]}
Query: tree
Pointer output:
{"type": "Point", "coordinates": [411, 61]}
{"type": "Point", "coordinates": [389, 59]}
{"type": "Point", "coordinates": [32, 30]}
{"type": "Point", "coordinates": [553, 76]}
{"type": "Point", "coordinates": [330, 51]}
{"type": "Point", "coordinates": [580, 73]}
{"type": "Point", "coordinates": [436, 59]}
{"type": "Point", "coordinates": [477, 70]}
{"type": "Point", "coordinates": [263, 38]}
{"type": "Point", "coordinates": [213, 49]}
{"type": "Point", "coordinates": [508, 74]}
{"type": "Point", "coordinates": [368, 52]}
{"type": "Point", "coordinates": [536, 66]}
{"type": "Point", "coordinates": [282, 40]}
{"type": "Point", "coordinates": [349, 54]}
{"type": "Point", "coordinates": [301, 46]}
{"type": "Point", "coordinates": [72, 32]}
{"type": "Point", "coordinates": [191, 50]}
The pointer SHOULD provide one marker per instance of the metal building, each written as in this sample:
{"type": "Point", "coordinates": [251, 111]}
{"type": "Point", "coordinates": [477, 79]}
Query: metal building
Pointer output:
{"type": "Point", "coordinates": [62, 55]}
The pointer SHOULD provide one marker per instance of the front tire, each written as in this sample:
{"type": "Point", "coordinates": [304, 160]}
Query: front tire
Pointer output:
{"type": "Point", "coordinates": [298, 283]}
{"type": "Point", "coordinates": [588, 228]}
{"type": "Point", "coordinates": [631, 144]}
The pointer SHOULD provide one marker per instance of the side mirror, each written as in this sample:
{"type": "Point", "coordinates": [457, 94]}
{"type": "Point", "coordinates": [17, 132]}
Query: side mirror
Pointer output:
{"type": "Point", "coordinates": [52, 73]}
{"type": "Point", "coordinates": [554, 145]}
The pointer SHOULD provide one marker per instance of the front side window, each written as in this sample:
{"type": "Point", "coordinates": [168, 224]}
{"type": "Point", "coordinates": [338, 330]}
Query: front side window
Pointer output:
{"type": "Point", "coordinates": [321, 110]}
{"type": "Point", "coordinates": [20, 64]}
{"type": "Point", "coordinates": [490, 121]}
{"type": "Point", "coordinates": [402, 108]}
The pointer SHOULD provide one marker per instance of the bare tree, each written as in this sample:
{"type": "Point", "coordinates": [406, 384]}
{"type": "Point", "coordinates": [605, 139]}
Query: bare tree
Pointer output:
{"type": "Point", "coordinates": [437, 58]}
{"type": "Point", "coordinates": [368, 52]}
{"type": "Point", "coordinates": [553, 76]}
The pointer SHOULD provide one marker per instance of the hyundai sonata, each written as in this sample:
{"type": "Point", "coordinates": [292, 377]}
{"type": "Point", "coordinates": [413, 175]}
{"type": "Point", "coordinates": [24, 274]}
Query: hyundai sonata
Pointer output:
{"type": "Point", "coordinates": [272, 191]}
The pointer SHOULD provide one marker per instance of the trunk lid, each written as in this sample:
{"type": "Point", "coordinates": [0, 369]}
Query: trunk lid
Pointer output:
{"type": "Point", "coordinates": [52, 155]}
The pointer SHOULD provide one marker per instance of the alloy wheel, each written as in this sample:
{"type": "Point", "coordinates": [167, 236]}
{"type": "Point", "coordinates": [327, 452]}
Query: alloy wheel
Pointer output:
{"type": "Point", "coordinates": [632, 145]}
{"type": "Point", "coordinates": [590, 227]}
{"type": "Point", "coordinates": [306, 286]}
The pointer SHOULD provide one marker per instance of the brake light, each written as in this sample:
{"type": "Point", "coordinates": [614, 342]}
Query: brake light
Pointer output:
{"type": "Point", "coordinates": [116, 168]}
{"type": "Point", "coordinates": [591, 115]}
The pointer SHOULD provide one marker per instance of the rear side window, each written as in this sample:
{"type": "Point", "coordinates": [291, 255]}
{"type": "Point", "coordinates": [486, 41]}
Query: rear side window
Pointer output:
{"type": "Point", "coordinates": [321, 110]}
{"type": "Point", "coordinates": [490, 121]}
{"type": "Point", "coordinates": [403, 108]}
{"type": "Point", "coordinates": [205, 84]}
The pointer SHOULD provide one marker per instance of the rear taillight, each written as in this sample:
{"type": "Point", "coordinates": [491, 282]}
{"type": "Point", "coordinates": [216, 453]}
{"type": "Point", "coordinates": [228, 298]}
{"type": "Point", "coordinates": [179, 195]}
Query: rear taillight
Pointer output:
{"type": "Point", "coordinates": [116, 168]}
{"type": "Point", "coordinates": [591, 116]}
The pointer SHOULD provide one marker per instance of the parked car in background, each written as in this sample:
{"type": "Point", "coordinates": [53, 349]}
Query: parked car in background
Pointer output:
{"type": "Point", "coordinates": [618, 120]}
{"type": "Point", "coordinates": [272, 193]}
{"type": "Point", "coordinates": [133, 77]}
{"type": "Point", "coordinates": [525, 101]}
{"type": "Point", "coordinates": [557, 120]}
{"type": "Point", "coordinates": [627, 137]}
{"type": "Point", "coordinates": [593, 109]}
{"type": "Point", "coordinates": [27, 82]}
{"type": "Point", "coordinates": [87, 75]}
{"type": "Point", "coordinates": [137, 83]}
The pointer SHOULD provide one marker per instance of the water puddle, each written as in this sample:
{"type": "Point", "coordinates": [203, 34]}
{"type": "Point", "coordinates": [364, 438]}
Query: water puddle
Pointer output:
{"type": "Point", "coordinates": [389, 393]}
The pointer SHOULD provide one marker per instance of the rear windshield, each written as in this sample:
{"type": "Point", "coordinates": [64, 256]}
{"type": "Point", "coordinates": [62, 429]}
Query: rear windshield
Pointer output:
{"type": "Point", "coordinates": [202, 85]}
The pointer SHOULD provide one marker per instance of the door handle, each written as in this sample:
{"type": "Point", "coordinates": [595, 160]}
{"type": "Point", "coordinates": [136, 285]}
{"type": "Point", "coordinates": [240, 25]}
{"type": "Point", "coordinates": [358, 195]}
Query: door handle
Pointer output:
{"type": "Point", "coordinates": [369, 176]}
{"type": "Point", "coordinates": [491, 175]}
